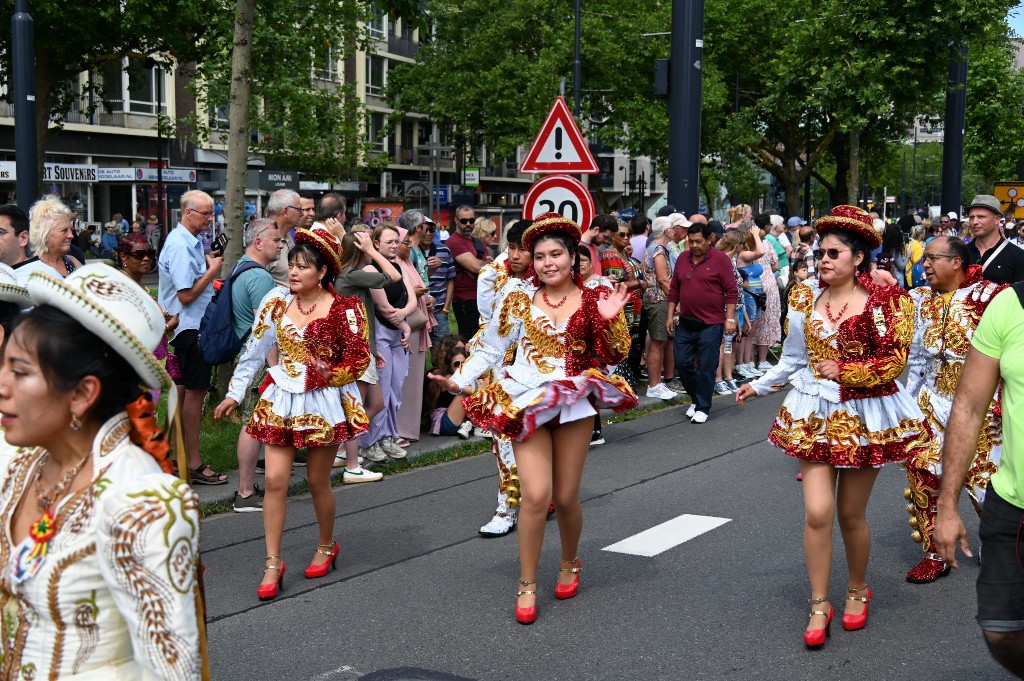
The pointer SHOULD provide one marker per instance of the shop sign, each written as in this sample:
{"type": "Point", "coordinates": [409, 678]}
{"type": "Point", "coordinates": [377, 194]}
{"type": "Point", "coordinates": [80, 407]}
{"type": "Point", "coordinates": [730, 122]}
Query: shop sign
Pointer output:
{"type": "Point", "coordinates": [115, 174]}
{"type": "Point", "coordinates": [64, 172]}
{"type": "Point", "coordinates": [8, 171]}
{"type": "Point", "coordinates": [168, 174]}
{"type": "Point", "coordinates": [278, 179]}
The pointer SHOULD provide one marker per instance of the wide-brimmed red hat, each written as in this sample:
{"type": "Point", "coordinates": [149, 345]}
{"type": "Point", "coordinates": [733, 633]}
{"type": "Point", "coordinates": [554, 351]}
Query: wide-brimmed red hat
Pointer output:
{"type": "Point", "coordinates": [547, 223]}
{"type": "Point", "coordinates": [851, 219]}
{"type": "Point", "coordinates": [325, 242]}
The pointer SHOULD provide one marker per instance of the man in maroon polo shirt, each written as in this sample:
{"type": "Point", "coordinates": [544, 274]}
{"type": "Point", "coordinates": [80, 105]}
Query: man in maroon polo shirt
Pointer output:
{"type": "Point", "coordinates": [703, 295]}
{"type": "Point", "coordinates": [470, 255]}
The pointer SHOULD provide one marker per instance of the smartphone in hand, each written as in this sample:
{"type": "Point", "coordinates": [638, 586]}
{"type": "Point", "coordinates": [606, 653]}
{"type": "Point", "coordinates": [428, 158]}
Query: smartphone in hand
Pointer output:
{"type": "Point", "coordinates": [219, 244]}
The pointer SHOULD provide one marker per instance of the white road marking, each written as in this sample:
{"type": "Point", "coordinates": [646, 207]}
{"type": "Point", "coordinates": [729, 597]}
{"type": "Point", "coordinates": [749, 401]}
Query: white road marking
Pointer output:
{"type": "Point", "coordinates": [667, 535]}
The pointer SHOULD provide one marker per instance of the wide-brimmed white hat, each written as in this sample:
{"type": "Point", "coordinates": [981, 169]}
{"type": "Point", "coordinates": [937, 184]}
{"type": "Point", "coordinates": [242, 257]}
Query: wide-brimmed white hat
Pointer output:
{"type": "Point", "coordinates": [11, 291]}
{"type": "Point", "coordinates": [120, 312]}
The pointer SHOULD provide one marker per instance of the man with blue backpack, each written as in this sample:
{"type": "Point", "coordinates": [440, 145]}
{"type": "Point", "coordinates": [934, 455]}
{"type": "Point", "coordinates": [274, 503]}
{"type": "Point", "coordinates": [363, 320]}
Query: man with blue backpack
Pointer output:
{"type": "Point", "coordinates": [224, 329]}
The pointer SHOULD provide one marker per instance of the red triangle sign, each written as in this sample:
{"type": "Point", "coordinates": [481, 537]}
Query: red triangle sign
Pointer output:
{"type": "Point", "coordinates": [560, 146]}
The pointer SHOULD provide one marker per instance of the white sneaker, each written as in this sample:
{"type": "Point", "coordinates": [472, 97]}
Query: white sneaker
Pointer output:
{"type": "Point", "coordinates": [480, 432]}
{"type": "Point", "coordinates": [661, 392]}
{"type": "Point", "coordinates": [388, 446]}
{"type": "Point", "coordinates": [765, 366]}
{"type": "Point", "coordinates": [742, 370]}
{"type": "Point", "coordinates": [691, 411]}
{"type": "Point", "coordinates": [754, 371]}
{"type": "Point", "coordinates": [722, 388]}
{"type": "Point", "coordinates": [360, 474]}
{"type": "Point", "coordinates": [500, 525]}
{"type": "Point", "coordinates": [698, 417]}
{"type": "Point", "coordinates": [375, 453]}
{"type": "Point", "coordinates": [465, 430]}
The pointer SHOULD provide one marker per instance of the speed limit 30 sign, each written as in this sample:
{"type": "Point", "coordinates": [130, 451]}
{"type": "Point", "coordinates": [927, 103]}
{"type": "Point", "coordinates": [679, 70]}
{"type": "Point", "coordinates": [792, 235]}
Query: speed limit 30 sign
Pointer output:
{"type": "Point", "coordinates": [560, 194]}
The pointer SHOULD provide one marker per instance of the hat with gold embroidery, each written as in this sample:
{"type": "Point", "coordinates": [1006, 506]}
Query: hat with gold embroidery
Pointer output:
{"type": "Point", "coordinates": [325, 242]}
{"type": "Point", "coordinates": [550, 223]}
{"type": "Point", "coordinates": [851, 219]}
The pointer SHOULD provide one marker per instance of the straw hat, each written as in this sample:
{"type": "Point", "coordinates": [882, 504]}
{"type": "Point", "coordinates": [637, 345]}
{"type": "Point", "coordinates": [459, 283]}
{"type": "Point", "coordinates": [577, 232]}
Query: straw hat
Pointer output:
{"type": "Point", "coordinates": [114, 308]}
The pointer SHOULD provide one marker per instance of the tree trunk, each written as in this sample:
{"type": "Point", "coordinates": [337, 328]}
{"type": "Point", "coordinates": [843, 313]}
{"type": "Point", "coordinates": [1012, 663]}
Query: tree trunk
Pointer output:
{"type": "Point", "coordinates": [238, 130]}
{"type": "Point", "coordinates": [238, 143]}
{"type": "Point", "coordinates": [853, 179]}
{"type": "Point", "coordinates": [837, 194]}
{"type": "Point", "coordinates": [794, 184]}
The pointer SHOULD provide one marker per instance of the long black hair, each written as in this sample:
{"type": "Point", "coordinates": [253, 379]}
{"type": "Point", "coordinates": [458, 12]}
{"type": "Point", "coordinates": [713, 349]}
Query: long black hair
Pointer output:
{"type": "Point", "coordinates": [67, 352]}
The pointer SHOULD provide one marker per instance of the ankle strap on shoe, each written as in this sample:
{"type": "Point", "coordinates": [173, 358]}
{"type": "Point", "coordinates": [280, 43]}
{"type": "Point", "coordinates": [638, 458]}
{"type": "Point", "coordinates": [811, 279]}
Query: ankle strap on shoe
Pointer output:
{"type": "Point", "coordinates": [330, 548]}
{"type": "Point", "coordinates": [853, 590]}
{"type": "Point", "coordinates": [273, 567]}
{"type": "Point", "coordinates": [521, 592]}
{"type": "Point", "coordinates": [818, 601]}
{"type": "Point", "coordinates": [576, 567]}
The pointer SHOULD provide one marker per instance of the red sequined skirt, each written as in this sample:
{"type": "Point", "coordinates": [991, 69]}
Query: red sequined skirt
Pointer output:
{"type": "Point", "coordinates": [514, 410]}
{"type": "Point", "coordinates": [858, 433]}
{"type": "Point", "coordinates": [317, 418]}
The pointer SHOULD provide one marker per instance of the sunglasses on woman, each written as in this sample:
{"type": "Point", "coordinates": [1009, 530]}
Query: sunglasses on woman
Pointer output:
{"type": "Point", "coordinates": [832, 253]}
{"type": "Point", "coordinates": [143, 254]}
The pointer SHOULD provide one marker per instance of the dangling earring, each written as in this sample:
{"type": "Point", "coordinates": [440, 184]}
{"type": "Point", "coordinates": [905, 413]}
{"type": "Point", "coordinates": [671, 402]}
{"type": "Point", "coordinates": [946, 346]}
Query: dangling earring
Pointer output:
{"type": "Point", "coordinates": [76, 425]}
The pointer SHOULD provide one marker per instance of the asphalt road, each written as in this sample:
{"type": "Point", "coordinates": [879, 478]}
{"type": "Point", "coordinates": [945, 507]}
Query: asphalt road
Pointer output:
{"type": "Point", "coordinates": [419, 596]}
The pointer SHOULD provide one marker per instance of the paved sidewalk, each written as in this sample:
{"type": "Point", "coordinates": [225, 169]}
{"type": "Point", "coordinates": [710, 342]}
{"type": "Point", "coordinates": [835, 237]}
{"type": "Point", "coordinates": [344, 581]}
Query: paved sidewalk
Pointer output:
{"type": "Point", "coordinates": [224, 494]}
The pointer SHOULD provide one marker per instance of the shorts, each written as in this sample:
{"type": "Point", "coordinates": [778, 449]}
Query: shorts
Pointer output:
{"type": "Point", "coordinates": [447, 426]}
{"type": "Point", "coordinates": [370, 376]}
{"type": "Point", "coordinates": [1000, 584]}
{"type": "Point", "coordinates": [252, 396]}
{"type": "Point", "coordinates": [657, 314]}
{"type": "Point", "coordinates": [750, 307]}
{"type": "Point", "coordinates": [195, 373]}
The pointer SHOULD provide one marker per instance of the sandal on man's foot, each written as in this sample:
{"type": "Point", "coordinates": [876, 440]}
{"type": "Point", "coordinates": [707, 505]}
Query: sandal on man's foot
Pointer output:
{"type": "Point", "coordinates": [204, 475]}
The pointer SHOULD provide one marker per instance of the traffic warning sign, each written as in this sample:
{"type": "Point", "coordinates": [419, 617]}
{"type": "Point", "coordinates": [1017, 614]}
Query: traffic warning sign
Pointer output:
{"type": "Point", "coordinates": [560, 146]}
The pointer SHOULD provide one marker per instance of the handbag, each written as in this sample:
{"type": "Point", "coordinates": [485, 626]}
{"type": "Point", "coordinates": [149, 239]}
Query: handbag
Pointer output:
{"type": "Point", "coordinates": [417, 320]}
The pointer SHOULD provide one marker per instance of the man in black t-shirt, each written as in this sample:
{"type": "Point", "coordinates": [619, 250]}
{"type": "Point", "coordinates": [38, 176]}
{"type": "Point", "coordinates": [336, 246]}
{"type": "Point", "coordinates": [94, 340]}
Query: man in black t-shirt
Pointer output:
{"type": "Point", "coordinates": [1000, 260]}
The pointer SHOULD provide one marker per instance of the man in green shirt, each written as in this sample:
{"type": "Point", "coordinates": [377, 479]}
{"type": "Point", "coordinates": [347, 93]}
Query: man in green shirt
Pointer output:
{"type": "Point", "coordinates": [263, 242]}
{"type": "Point", "coordinates": [997, 353]}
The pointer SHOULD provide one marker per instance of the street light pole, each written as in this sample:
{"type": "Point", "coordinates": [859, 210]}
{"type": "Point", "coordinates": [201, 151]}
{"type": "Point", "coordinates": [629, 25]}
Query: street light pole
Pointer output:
{"type": "Point", "coordinates": [576, 68]}
{"type": "Point", "coordinates": [685, 78]}
{"type": "Point", "coordinates": [24, 86]}
{"type": "Point", "coordinates": [953, 140]}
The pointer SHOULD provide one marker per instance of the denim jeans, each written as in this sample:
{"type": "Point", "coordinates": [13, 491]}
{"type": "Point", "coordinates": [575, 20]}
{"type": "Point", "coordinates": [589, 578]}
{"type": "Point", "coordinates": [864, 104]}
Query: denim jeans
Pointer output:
{"type": "Point", "coordinates": [443, 327]}
{"type": "Point", "coordinates": [698, 380]}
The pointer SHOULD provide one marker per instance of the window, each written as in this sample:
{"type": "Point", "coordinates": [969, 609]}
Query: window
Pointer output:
{"type": "Point", "coordinates": [376, 74]}
{"type": "Point", "coordinates": [377, 27]}
{"type": "Point", "coordinates": [219, 117]}
{"type": "Point", "coordinates": [133, 87]}
{"type": "Point", "coordinates": [375, 131]}
{"type": "Point", "coordinates": [325, 64]}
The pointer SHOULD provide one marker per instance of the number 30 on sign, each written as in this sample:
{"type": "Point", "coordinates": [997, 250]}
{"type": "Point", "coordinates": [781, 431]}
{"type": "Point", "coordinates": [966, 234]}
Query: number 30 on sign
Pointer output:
{"type": "Point", "coordinates": [560, 194]}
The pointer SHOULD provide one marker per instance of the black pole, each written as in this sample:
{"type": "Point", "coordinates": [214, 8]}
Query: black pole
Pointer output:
{"type": "Point", "coordinates": [953, 143]}
{"type": "Point", "coordinates": [913, 178]}
{"type": "Point", "coordinates": [576, 68]}
{"type": "Point", "coordinates": [24, 86]}
{"type": "Point", "coordinates": [685, 78]}
{"type": "Point", "coordinates": [903, 183]}
{"type": "Point", "coordinates": [161, 203]}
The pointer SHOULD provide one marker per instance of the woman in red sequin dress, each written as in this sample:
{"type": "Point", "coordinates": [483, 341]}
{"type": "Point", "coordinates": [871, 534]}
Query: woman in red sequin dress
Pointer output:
{"type": "Point", "coordinates": [846, 416]}
{"type": "Point", "coordinates": [563, 336]}
{"type": "Point", "coordinates": [310, 398]}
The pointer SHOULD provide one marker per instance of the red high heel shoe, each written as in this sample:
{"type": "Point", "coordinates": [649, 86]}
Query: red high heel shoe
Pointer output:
{"type": "Point", "coordinates": [525, 615]}
{"type": "Point", "coordinates": [313, 570]}
{"type": "Point", "coordinates": [569, 590]}
{"type": "Point", "coordinates": [815, 638]}
{"type": "Point", "coordinates": [268, 591]}
{"type": "Point", "coordinates": [854, 622]}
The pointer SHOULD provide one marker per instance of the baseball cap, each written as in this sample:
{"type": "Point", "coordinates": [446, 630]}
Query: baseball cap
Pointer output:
{"type": "Point", "coordinates": [667, 209]}
{"type": "Point", "coordinates": [679, 220]}
{"type": "Point", "coordinates": [716, 227]}
{"type": "Point", "coordinates": [952, 214]}
{"type": "Point", "coordinates": [795, 221]}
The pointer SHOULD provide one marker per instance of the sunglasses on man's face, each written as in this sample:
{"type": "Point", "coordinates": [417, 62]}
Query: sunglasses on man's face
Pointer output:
{"type": "Point", "coordinates": [623, 235]}
{"type": "Point", "coordinates": [467, 221]}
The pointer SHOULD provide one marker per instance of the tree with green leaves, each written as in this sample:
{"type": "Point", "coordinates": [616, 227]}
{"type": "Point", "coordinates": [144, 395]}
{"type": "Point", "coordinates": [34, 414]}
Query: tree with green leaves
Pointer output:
{"type": "Point", "coordinates": [76, 37]}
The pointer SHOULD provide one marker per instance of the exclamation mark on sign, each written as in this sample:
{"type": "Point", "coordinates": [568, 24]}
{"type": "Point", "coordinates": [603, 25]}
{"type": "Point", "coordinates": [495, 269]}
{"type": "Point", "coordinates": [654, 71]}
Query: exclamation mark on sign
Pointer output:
{"type": "Point", "coordinates": [558, 142]}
